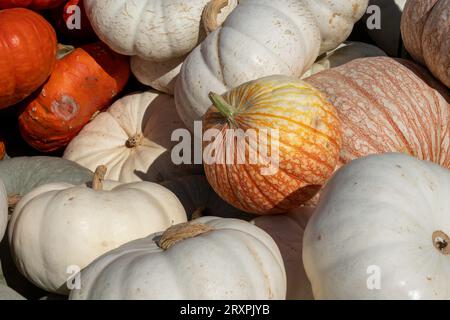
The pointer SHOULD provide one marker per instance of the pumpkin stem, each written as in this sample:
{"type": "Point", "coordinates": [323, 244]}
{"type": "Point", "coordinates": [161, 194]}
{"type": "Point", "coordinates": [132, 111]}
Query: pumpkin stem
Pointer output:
{"type": "Point", "coordinates": [182, 232]}
{"type": "Point", "coordinates": [134, 141]}
{"type": "Point", "coordinates": [13, 201]}
{"type": "Point", "coordinates": [441, 242]}
{"type": "Point", "coordinates": [63, 50]}
{"type": "Point", "coordinates": [210, 14]}
{"type": "Point", "coordinates": [99, 176]}
{"type": "Point", "coordinates": [224, 107]}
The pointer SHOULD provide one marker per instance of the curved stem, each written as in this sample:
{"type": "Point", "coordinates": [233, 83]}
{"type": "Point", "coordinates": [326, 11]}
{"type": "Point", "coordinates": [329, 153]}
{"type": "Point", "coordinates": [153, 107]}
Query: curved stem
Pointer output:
{"type": "Point", "coordinates": [210, 14]}
{"type": "Point", "coordinates": [182, 232]}
{"type": "Point", "coordinates": [224, 107]}
{"type": "Point", "coordinates": [99, 176]}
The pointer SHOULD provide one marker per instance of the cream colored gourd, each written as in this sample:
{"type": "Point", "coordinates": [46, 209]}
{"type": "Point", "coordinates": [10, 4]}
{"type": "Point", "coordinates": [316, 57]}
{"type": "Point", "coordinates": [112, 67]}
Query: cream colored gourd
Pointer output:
{"type": "Point", "coordinates": [381, 231]}
{"type": "Point", "coordinates": [133, 139]}
{"type": "Point", "coordinates": [210, 258]}
{"type": "Point", "coordinates": [156, 30]}
{"type": "Point", "coordinates": [336, 19]}
{"type": "Point", "coordinates": [259, 38]}
{"type": "Point", "coordinates": [3, 209]}
{"type": "Point", "coordinates": [287, 231]}
{"type": "Point", "coordinates": [158, 75]}
{"type": "Point", "coordinates": [344, 53]}
{"type": "Point", "coordinates": [59, 225]}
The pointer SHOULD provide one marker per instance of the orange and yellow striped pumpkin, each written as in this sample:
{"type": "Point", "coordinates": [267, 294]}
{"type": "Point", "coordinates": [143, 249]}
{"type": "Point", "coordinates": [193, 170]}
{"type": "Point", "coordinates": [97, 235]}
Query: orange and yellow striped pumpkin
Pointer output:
{"type": "Point", "coordinates": [300, 123]}
{"type": "Point", "coordinates": [386, 107]}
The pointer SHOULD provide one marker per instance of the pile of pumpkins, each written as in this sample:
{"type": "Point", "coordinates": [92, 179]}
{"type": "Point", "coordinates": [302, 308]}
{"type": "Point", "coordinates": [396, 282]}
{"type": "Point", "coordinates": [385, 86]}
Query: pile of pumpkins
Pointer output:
{"type": "Point", "coordinates": [94, 206]}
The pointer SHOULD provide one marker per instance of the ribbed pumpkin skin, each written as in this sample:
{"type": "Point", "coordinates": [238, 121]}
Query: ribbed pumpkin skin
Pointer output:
{"type": "Point", "coordinates": [33, 4]}
{"type": "Point", "coordinates": [82, 83]}
{"type": "Point", "coordinates": [309, 144]}
{"type": "Point", "coordinates": [425, 30]}
{"type": "Point", "coordinates": [385, 107]}
{"type": "Point", "coordinates": [27, 54]}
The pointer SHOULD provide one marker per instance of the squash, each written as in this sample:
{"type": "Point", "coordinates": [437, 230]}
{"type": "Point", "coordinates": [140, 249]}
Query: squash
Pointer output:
{"type": "Point", "coordinates": [287, 232]}
{"type": "Point", "coordinates": [22, 174]}
{"type": "Point", "coordinates": [155, 30]}
{"type": "Point", "coordinates": [288, 146]}
{"type": "Point", "coordinates": [27, 54]}
{"type": "Point", "coordinates": [133, 139]}
{"type": "Point", "coordinates": [2, 149]}
{"type": "Point", "coordinates": [344, 53]}
{"type": "Point", "coordinates": [7, 293]}
{"type": "Point", "coordinates": [83, 82]}
{"type": "Point", "coordinates": [59, 225]}
{"type": "Point", "coordinates": [336, 19]}
{"type": "Point", "coordinates": [388, 36]}
{"type": "Point", "coordinates": [256, 40]}
{"type": "Point", "coordinates": [199, 199]}
{"type": "Point", "coordinates": [425, 27]}
{"type": "Point", "coordinates": [3, 209]}
{"type": "Point", "coordinates": [385, 107]}
{"type": "Point", "coordinates": [381, 231]}
{"type": "Point", "coordinates": [210, 258]}
{"type": "Point", "coordinates": [33, 4]}
{"type": "Point", "coordinates": [158, 75]}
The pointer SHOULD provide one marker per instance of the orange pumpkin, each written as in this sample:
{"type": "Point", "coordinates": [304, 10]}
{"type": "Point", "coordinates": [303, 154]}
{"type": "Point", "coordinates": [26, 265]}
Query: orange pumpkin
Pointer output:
{"type": "Point", "coordinates": [27, 54]}
{"type": "Point", "coordinates": [385, 107]}
{"type": "Point", "coordinates": [425, 30]}
{"type": "Point", "coordinates": [302, 136]}
{"type": "Point", "coordinates": [2, 149]}
{"type": "Point", "coordinates": [33, 4]}
{"type": "Point", "coordinates": [83, 82]}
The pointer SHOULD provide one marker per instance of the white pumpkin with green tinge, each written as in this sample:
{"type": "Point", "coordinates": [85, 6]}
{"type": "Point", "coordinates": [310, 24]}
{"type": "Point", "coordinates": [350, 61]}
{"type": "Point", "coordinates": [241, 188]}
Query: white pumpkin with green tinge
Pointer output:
{"type": "Point", "coordinates": [59, 225]}
{"type": "Point", "coordinates": [209, 258]}
{"type": "Point", "coordinates": [3, 209]}
{"type": "Point", "coordinates": [381, 231]}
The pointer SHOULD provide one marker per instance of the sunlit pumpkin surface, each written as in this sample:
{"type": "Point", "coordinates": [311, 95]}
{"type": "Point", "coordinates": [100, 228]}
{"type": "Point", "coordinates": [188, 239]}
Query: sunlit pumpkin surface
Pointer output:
{"type": "Point", "coordinates": [309, 143]}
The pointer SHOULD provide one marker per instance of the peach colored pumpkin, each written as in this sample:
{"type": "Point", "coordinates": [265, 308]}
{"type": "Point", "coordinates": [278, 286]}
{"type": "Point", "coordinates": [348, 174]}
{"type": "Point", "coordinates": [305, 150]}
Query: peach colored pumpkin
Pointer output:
{"type": "Point", "coordinates": [385, 107]}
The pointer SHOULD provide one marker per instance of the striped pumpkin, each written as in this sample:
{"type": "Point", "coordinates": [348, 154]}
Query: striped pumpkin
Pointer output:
{"type": "Point", "coordinates": [302, 128]}
{"type": "Point", "coordinates": [385, 107]}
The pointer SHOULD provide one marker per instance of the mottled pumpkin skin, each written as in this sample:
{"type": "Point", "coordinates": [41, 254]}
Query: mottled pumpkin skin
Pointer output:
{"type": "Point", "coordinates": [309, 144]}
{"type": "Point", "coordinates": [385, 107]}
{"type": "Point", "coordinates": [425, 28]}
{"type": "Point", "coordinates": [83, 82]}
{"type": "Point", "coordinates": [27, 54]}
{"type": "Point", "coordinates": [32, 4]}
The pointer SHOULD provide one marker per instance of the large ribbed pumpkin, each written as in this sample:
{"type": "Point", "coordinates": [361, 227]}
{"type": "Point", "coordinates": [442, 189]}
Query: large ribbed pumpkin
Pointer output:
{"type": "Point", "coordinates": [302, 134]}
{"type": "Point", "coordinates": [27, 54]}
{"type": "Point", "coordinates": [425, 30]}
{"type": "Point", "coordinates": [385, 107]}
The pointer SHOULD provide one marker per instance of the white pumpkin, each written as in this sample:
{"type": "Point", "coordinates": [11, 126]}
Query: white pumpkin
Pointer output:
{"type": "Point", "coordinates": [287, 231]}
{"type": "Point", "coordinates": [336, 19]}
{"type": "Point", "coordinates": [59, 225]}
{"type": "Point", "coordinates": [133, 139]}
{"type": "Point", "coordinates": [381, 231]}
{"type": "Point", "coordinates": [210, 258]}
{"type": "Point", "coordinates": [388, 37]}
{"type": "Point", "coordinates": [158, 75]}
{"type": "Point", "coordinates": [259, 38]}
{"type": "Point", "coordinates": [344, 53]}
{"type": "Point", "coordinates": [156, 30]}
{"type": "Point", "coordinates": [3, 209]}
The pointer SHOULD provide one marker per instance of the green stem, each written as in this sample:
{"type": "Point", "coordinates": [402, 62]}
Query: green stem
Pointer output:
{"type": "Point", "coordinates": [224, 107]}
